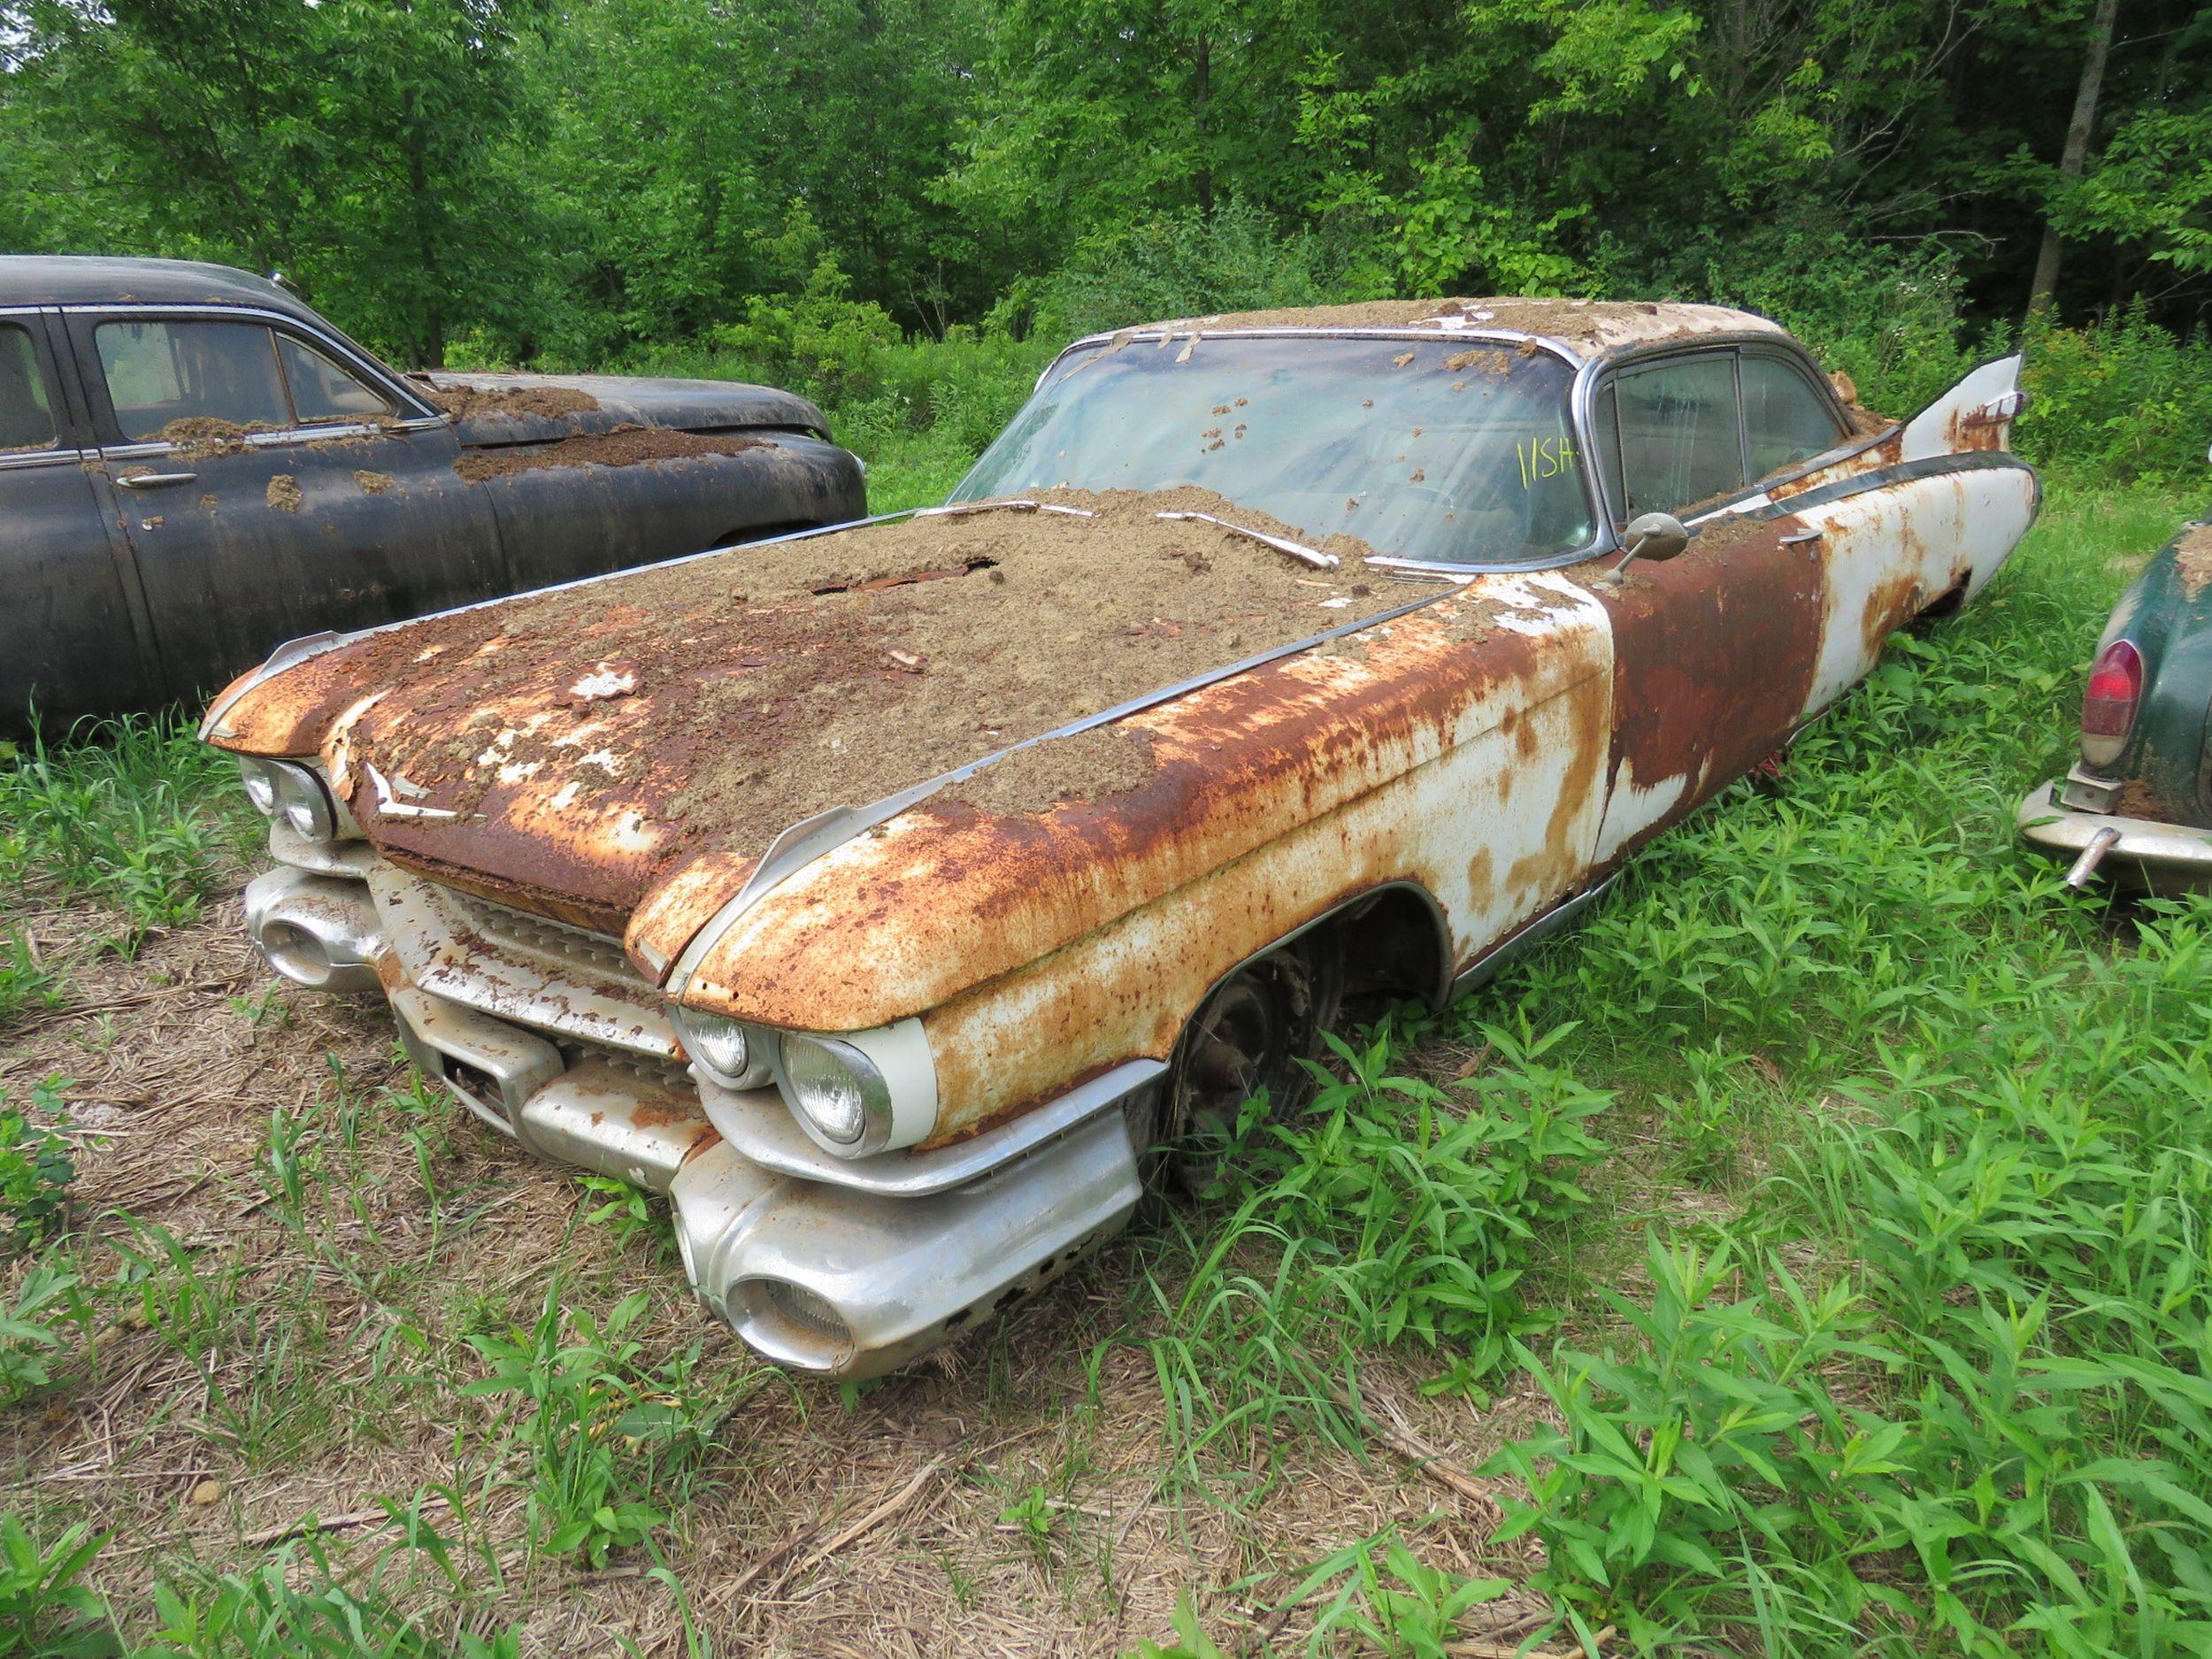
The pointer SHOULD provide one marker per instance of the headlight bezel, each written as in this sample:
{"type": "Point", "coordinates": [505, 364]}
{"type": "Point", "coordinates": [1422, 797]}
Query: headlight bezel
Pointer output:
{"type": "Point", "coordinates": [700, 1032]}
{"type": "Point", "coordinates": [804, 1062]}
{"type": "Point", "coordinates": [294, 794]}
{"type": "Point", "coordinates": [898, 1085]}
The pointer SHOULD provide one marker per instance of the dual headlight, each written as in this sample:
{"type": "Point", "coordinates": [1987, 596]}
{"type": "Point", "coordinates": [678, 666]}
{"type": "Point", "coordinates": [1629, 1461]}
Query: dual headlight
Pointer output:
{"type": "Point", "coordinates": [295, 797]}
{"type": "Point", "coordinates": [856, 1095]}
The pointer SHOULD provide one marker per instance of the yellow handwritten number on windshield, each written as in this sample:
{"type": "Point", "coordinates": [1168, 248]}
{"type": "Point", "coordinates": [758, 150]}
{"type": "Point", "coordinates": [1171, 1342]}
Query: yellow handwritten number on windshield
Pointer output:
{"type": "Point", "coordinates": [1545, 458]}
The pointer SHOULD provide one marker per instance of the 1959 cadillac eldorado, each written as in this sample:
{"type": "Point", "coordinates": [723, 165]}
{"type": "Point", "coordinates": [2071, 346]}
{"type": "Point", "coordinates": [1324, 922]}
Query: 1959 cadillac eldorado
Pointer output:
{"type": "Point", "coordinates": [887, 895]}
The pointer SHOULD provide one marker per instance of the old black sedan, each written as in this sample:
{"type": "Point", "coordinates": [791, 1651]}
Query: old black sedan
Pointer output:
{"type": "Point", "coordinates": [194, 466]}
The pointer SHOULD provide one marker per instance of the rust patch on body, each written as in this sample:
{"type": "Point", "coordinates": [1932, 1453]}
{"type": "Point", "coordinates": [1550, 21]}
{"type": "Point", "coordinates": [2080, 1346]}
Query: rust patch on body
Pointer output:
{"type": "Point", "coordinates": [283, 492]}
{"type": "Point", "coordinates": [1889, 607]}
{"type": "Point", "coordinates": [1714, 654]}
{"type": "Point", "coordinates": [372, 483]}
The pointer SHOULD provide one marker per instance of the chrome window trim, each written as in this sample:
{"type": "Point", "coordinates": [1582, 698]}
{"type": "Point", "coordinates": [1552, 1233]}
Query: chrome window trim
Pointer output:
{"type": "Point", "coordinates": [1605, 366]}
{"type": "Point", "coordinates": [326, 339]}
{"type": "Point", "coordinates": [60, 452]}
{"type": "Point", "coordinates": [1601, 544]}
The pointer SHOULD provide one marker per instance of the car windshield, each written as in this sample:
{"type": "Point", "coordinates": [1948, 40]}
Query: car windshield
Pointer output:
{"type": "Point", "coordinates": [1451, 450]}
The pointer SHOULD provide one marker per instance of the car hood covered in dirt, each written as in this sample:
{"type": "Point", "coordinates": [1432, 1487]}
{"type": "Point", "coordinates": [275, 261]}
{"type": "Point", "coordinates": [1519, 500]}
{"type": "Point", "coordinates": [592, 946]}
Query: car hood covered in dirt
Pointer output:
{"type": "Point", "coordinates": [503, 408]}
{"type": "Point", "coordinates": [621, 753]}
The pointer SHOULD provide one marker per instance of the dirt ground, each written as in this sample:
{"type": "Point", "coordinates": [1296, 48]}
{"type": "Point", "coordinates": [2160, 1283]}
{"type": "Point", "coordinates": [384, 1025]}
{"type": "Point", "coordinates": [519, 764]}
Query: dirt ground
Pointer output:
{"type": "Point", "coordinates": [818, 1524]}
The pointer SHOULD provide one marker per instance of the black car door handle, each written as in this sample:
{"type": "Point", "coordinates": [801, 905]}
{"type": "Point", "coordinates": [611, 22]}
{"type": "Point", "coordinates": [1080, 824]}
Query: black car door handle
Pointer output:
{"type": "Point", "coordinates": [154, 481]}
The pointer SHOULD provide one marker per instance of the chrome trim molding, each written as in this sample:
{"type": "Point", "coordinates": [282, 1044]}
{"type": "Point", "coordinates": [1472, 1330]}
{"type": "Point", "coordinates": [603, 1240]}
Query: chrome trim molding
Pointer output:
{"type": "Point", "coordinates": [759, 1126]}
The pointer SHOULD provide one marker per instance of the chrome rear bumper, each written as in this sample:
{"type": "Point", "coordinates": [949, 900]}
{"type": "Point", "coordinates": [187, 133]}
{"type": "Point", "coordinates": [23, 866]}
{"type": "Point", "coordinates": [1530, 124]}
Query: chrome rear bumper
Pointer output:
{"type": "Point", "coordinates": [850, 1272]}
{"type": "Point", "coordinates": [2139, 853]}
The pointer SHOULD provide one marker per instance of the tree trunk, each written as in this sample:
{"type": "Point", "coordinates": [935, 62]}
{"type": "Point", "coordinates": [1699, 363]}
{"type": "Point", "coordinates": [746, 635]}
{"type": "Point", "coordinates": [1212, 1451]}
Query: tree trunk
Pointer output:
{"type": "Point", "coordinates": [2076, 156]}
{"type": "Point", "coordinates": [1202, 100]}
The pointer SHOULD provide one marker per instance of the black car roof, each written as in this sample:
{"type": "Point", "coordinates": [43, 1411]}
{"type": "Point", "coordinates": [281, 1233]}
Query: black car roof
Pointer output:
{"type": "Point", "coordinates": [74, 280]}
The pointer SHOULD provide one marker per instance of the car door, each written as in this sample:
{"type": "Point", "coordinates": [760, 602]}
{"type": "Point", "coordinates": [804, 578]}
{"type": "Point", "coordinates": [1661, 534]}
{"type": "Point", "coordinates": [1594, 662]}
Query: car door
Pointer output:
{"type": "Point", "coordinates": [1715, 649]}
{"type": "Point", "coordinates": [72, 640]}
{"type": "Point", "coordinates": [273, 484]}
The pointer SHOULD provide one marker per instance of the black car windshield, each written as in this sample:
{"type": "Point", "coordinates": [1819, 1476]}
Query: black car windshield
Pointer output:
{"type": "Point", "coordinates": [1451, 450]}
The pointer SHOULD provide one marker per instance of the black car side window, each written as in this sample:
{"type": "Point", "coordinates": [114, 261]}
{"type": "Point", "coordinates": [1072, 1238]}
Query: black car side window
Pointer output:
{"type": "Point", "coordinates": [322, 391]}
{"type": "Point", "coordinates": [1784, 419]}
{"type": "Point", "coordinates": [27, 420]}
{"type": "Point", "coordinates": [1679, 442]}
{"type": "Point", "coordinates": [162, 371]}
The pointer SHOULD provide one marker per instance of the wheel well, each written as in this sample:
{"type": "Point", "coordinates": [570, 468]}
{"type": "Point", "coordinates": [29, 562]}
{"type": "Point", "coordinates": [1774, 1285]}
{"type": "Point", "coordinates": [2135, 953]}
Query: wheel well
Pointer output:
{"type": "Point", "coordinates": [1395, 944]}
{"type": "Point", "coordinates": [1949, 603]}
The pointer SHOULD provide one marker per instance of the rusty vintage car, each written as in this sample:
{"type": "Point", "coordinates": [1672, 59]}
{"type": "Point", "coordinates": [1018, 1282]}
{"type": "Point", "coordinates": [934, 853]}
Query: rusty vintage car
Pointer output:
{"type": "Point", "coordinates": [887, 897]}
{"type": "Point", "coordinates": [195, 465]}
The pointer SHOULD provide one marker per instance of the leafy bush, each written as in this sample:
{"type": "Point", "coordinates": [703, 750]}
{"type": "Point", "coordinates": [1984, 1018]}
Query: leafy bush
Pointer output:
{"type": "Point", "coordinates": [599, 1427]}
{"type": "Point", "coordinates": [35, 1171]}
{"type": "Point", "coordinates": [1180, 264]}
{"type": "Point", "coordinates": [44, 1612]}
{"type": "Point", "coordinates": [2123, 400]}
{"type": "Point", "coordinates": [1390, 1210]}
{"type": "Point", "coordinates": [134, 811]}
{"type": "Point", "coordinates": [294, 1604]}
{"type": "Point", "coordinates": [47, 1295]}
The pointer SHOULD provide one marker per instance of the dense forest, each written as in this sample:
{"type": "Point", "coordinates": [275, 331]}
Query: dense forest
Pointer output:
{"type": "Point", "coordinates": [794, 183]}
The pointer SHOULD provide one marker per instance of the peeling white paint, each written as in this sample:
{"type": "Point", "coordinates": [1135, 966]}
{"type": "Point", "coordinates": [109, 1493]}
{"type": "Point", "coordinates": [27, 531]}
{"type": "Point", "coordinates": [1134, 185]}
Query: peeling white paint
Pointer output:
{"type": "Point", "coordinates": [603, 682]}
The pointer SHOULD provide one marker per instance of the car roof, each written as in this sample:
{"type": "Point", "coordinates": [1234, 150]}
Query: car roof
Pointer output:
{"type": "Point", "coordinates": [81, 280]}
{"type": "Point", "coordinates": [1586, 328]}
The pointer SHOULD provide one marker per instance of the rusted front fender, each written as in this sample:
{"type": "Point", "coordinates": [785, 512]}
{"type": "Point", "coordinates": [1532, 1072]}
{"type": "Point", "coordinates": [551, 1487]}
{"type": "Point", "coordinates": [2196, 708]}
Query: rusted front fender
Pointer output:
{"type": "Point", "coordinates": [1460, 748]}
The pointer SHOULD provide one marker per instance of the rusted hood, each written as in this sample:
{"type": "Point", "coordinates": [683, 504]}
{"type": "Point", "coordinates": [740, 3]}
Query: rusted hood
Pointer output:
{"type": "Point", "coordinates": [638, 741]}
{"type": "Point", "coordinates": [500, 409]}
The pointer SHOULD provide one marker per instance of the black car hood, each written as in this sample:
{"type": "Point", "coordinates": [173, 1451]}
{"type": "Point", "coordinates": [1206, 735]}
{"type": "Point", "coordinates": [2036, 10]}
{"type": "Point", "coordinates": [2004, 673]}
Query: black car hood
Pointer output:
{"type": "Point", "coordinates": [497, 409]}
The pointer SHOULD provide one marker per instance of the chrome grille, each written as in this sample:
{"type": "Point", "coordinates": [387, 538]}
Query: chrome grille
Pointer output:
{"type": "Point", "coordinates": [542, 936]}
{"type": "Point", "coordinates": [672, 1075]}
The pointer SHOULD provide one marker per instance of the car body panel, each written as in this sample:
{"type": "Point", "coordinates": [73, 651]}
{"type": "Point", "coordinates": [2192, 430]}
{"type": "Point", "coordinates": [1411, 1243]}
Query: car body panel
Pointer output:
{"type": "Point", "coordinates": [2155, 798]}
{"type": "Point", "coordinates": [150, 568]}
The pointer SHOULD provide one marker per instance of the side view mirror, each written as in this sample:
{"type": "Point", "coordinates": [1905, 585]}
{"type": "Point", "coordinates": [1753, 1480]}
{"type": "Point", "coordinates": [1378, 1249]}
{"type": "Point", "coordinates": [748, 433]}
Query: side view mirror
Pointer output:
{"type": "Point", "coordinates": [1657, 536]}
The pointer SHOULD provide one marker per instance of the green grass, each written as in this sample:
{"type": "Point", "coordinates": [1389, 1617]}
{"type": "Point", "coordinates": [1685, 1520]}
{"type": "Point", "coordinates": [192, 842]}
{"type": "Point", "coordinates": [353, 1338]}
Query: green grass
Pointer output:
{"type": "Point", "coordinates": [133, 812]}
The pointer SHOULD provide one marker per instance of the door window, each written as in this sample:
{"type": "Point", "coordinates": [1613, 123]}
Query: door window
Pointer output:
{"type": "Point", "coordinates": [1785, 421]}
{"type": "Point", "coordinates": [322, 391]}
{"type": "Point", "coordinates": [1679, 440]}
{"type": "Point", "coordinates": [160, 373]}
{"type": "Point", "coordinates": [27, 420]}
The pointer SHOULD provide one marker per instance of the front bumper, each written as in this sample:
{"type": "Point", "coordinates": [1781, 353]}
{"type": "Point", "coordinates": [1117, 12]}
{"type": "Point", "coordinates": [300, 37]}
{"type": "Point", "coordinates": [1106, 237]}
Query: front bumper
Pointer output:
{"type": "Point", "coordinates": [849, 1270]}
{"type": "Point", "coordinates": [2141, 854]}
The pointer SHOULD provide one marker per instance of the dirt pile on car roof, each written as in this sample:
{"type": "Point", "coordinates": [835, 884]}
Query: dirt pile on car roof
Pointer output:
{"type": "Point", "coordinates": [721, 699]}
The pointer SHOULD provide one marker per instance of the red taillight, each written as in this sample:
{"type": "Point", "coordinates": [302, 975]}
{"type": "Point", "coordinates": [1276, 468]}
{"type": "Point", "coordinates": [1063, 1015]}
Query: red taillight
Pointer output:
{"type": "Point", "coordinates": [2107, 708]}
